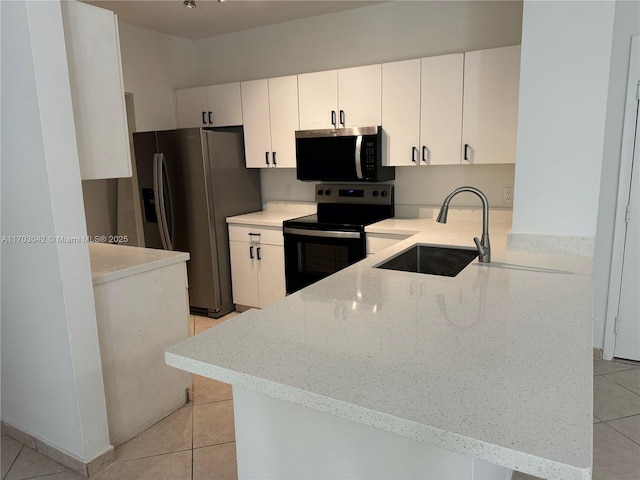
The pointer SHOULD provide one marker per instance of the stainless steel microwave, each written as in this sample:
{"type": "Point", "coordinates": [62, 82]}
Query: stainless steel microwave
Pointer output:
{"type": "Point", "coordinates": [341, 155]}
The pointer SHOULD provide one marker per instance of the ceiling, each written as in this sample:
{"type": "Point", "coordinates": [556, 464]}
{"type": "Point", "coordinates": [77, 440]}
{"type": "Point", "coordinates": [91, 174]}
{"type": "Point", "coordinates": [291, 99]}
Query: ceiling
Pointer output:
{"type": "Point", "coordinates": [212, 18]}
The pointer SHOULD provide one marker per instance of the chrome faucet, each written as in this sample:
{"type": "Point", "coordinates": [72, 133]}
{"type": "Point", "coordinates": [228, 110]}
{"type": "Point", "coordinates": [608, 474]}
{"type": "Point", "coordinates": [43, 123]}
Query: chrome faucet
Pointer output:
{"type": "Point", "coordinates": [484, 249]}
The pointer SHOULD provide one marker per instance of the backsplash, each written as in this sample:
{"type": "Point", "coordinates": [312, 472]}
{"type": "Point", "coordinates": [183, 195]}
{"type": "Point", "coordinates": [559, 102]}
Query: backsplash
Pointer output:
{"type": "Point", "coordinates": [428, 185]}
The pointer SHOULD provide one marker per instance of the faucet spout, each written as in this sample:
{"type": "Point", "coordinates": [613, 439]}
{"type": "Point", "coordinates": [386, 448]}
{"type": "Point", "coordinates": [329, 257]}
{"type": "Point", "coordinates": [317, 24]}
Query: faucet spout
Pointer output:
{"type": "Point", "coordinates": [483, 245]}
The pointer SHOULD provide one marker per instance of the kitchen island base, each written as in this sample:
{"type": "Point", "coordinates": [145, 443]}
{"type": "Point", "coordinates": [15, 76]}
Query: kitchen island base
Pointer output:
{"type": "Point", "coordinates": [281, 440]}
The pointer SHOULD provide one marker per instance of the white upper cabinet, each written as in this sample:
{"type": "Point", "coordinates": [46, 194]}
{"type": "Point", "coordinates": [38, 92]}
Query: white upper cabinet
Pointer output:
{"type": "Point", "coordinates": [270, 112]}
{"type": "Point", "coordinates": [192, 108]}
{"type": "Point", "coordinates": [401, 111]}
{"type": "Point", "coordinates": [283, 103]}
{"type": "Point", "coordinates": [452, 109]}
{"type": "Point", "coordinates": [97, 91]}
{"type": "Point", "coordinates": [350, 97]}
{"type": "Point", "coordinates": [213, 106]}
{"type": "Point", "coordinates": [255, 112]}
{"type": "Point", "coordinates": [441, 109]}
{"type": "Point", "coordinates": [225, 104]}
{"type": "Point", "coordinates": [360, 96]}
{"type": "Point", "coordinates": [491, 86]}
{"type": "Point", "coordinates": [318, 102]}
{"type": "Point", "coordinates": [422, 110]}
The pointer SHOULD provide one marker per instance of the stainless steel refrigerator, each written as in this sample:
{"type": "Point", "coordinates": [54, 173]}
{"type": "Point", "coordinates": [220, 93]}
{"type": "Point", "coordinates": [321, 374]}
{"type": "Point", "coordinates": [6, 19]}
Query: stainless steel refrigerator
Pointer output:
{"type": "Point", "coordinates": [189, 181]}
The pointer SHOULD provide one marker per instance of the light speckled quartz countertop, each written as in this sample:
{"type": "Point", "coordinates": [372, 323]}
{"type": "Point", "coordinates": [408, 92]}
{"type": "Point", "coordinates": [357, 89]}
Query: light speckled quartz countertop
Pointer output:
{"type": "Point", "coordinates": [111, 262]}
{"type": "Point", "coordinates": [495, 363]}
{"type": "Point", "coordinates": [274, 214]}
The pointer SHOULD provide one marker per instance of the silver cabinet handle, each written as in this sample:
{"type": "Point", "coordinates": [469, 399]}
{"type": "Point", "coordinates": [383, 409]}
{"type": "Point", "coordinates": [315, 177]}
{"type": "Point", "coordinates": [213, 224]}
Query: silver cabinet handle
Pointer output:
{"type": "Point", "coordinates": [333, 118]}
{"type": "Point", "coordinates": [342, 117]}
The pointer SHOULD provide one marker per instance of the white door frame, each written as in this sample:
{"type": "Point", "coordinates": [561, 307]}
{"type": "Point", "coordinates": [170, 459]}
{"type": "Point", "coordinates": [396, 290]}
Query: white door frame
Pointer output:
{"type": "Point", "coordinates": [624, 187]}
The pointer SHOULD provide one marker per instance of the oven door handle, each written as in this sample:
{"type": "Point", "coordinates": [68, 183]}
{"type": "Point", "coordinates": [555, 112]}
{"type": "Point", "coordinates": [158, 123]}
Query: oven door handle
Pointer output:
{"type": "Point", "coordinates": [321, 233]}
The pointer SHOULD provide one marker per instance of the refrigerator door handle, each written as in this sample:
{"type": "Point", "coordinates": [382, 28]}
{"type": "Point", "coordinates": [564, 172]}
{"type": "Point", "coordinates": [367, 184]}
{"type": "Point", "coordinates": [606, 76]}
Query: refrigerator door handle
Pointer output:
{"type": "Point", "coordinates": [158, 194]}
{"type": "Point", "coordinates": [167, 220]}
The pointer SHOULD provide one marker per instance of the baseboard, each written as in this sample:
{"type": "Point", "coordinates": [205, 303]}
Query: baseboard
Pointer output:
{"type": "Point", "coordinates": [86, 469]}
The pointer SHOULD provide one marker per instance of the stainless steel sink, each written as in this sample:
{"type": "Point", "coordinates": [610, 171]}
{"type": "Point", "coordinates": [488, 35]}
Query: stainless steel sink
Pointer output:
{"type": "Point", "coordinates": [432, 260]}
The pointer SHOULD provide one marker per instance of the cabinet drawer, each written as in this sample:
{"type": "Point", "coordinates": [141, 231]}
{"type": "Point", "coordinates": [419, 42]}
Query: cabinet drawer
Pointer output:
{"type": "Point", "coordinates": [268, 235]}
{"type": "Point", "coordinates": [379, 241]}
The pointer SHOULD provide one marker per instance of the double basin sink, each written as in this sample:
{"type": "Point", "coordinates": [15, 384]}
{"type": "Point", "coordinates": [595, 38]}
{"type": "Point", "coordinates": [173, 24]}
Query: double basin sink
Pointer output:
{"type": "Point", "coordinates": [431, 259]}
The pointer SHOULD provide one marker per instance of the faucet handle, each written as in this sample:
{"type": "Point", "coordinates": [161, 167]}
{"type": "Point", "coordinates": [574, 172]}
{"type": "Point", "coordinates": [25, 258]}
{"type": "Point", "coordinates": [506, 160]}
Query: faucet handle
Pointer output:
{"type": "Point", "coordinates": [481, 248]}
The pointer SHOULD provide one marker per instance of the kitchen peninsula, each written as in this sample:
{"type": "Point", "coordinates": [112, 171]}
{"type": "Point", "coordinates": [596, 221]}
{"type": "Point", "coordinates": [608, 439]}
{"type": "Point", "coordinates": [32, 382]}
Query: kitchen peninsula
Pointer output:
{"type": "Point", "coordinates": [142, 307]}
{"type": "Point", "coordinates": [374, 373]}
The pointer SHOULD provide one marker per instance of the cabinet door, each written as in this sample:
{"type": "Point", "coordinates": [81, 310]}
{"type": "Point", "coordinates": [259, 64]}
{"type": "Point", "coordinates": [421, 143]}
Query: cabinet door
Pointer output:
{"type": "Point", "coordinates": [97, 91]}
{"type": "Point", "coordinates": [401, 111]}
{"type": "Point", "coordinates": [490, 117]}
{"type": "Point", "coordinates": [225, 104]}
{"type": "Point", "coordinates": [255, 113]}
{"type": "Point", "coordinates": [360, 96]}
{"type": "Point", "coordinates": [441, 109]}
{"type": "Point", "coordinates": [318, 99]}
{"type": "Point", "coordinates": [271, 283]}
{"type": "Point", "coordinates": [191, 106]}
{"type": "Point", "coordinates": [283, 108]}
{"type": "Point", "coordinates": [244, 274]}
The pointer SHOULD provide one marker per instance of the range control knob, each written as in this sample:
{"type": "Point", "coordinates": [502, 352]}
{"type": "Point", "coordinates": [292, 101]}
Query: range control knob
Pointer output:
{"type": "Point", "coordinates": [375, 193]}
{"type": "Point", "coordinates": [327, 192]}
{"type": "Point", "coordinates": [320, 192]}
{"type": "Point", "coordinates": [384, 193]}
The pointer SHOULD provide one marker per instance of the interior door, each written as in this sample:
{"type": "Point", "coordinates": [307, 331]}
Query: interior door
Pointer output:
{"type": "Point", "coordinates": [628, 334]}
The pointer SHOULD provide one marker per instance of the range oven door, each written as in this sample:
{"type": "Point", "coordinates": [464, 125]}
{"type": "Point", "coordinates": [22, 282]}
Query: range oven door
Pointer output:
{"type": "Point", "coordinates": [310, 254]}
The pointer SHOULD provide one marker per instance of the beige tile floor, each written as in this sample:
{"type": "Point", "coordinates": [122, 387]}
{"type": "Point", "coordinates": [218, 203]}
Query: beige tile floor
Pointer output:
{"type": "Point", "coordinates": [197, 442]}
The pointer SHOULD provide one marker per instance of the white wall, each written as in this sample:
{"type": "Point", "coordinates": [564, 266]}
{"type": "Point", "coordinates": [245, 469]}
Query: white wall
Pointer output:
{"type": "Point", "coordinates": [51, 372]}
{"type": "Point", "coordinates": [564, 76]}
{"type": "Point", "coordinates": [627, 23]}
{"type": "Point", "coordinates": [374, 34]}
{"type": "Point", "coordinates": [153, 64]}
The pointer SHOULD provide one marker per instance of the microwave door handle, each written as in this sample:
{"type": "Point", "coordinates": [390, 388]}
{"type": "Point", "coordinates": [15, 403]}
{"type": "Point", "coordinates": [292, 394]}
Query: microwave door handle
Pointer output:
{"type": "Point", "coordinates": [358, 157]}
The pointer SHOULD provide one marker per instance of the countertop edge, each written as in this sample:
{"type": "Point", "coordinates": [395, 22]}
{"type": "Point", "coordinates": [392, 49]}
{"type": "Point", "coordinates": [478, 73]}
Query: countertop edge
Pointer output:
{"type": "Point", "coordinates": [141, 268]}
{"type": "Point", "coordinates": [496, 454]}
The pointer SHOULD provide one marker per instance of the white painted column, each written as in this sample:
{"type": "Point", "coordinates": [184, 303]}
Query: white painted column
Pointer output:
{"type": "Point", "coordinates": [51, 372]}
{"type": "Point", "coordinates": [564, 78]}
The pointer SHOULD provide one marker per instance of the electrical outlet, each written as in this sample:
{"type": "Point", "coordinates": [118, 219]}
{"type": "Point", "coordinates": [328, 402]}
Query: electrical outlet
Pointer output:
{"type": "Point", "coordinates": [507, 195]}
{"type": "Point", "coordinates": [287, 190]}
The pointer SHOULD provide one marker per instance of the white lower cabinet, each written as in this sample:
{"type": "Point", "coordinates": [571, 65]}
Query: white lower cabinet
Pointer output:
{"type": "Point", "coordinates": [257, 265]}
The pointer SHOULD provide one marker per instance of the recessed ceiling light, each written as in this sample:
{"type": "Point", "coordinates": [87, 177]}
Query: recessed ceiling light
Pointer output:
{"type": "Point", "coordinates": [189, 3]}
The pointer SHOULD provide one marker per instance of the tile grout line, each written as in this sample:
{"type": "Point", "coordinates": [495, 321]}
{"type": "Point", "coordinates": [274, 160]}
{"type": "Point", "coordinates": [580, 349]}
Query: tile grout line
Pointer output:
{"type": "Point", "coordinates": [15, 459]}
{"type": "Point", "coordinates": [621, 433]}
{"type": "Point", "coordinates": [620, 385]}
